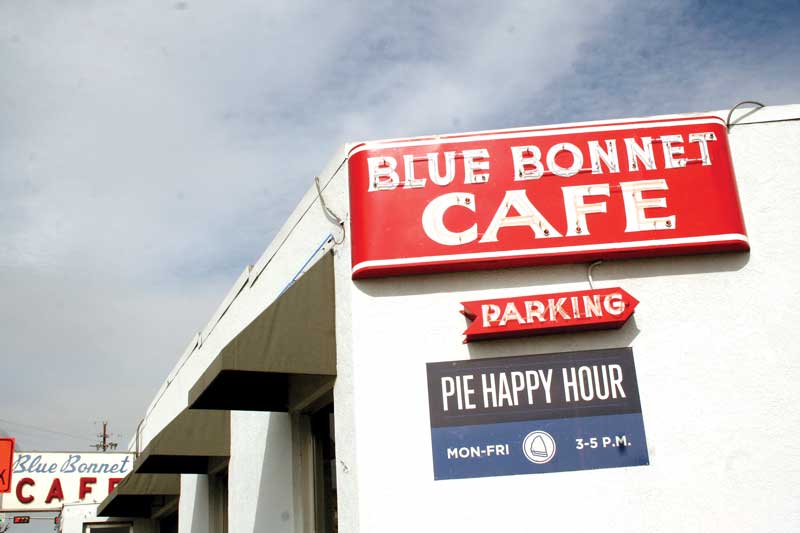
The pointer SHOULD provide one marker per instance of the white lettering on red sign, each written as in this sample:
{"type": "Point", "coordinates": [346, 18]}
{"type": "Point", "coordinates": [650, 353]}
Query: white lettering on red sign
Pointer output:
{"type": "Point", "coordinates": [548, 313]}
{"type": "Point", "coordinates": [543, 196]}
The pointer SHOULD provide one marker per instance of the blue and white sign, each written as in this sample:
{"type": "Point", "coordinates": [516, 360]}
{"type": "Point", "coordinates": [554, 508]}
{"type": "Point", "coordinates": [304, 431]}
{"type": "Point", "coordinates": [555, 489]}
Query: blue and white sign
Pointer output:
{"type": "Point", "coordinates": [45, 481]}
{"type": "Point", "coordinates": [535, 414]}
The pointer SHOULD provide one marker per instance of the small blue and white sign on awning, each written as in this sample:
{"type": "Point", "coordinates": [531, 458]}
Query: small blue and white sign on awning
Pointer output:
{"type": "Point", "coordinates": [535, 414]}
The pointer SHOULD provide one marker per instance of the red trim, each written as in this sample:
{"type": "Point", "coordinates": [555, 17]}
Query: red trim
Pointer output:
{"type": "Point", "coordinates": [453, 265]}
{"type": "Point", "coordinates": [6, 463]}
{"type": "Point", "coordinates": [450, 136]}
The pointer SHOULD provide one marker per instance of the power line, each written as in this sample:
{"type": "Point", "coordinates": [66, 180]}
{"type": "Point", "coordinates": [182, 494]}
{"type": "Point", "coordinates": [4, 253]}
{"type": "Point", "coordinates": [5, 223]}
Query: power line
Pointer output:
{"type": "Point", "coordinates": [45, 430]}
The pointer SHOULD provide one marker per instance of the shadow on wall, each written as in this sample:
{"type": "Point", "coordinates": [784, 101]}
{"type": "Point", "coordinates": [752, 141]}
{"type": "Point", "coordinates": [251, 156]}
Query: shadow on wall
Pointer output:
{"type": "Point", "coordinates": [199, 519]}
{"type": "Point", "coordinates": [559, 342]}
{"type": "Point", "coordinates": [551, 275]}
{"type": "Point", "coordinates": [273, 512]}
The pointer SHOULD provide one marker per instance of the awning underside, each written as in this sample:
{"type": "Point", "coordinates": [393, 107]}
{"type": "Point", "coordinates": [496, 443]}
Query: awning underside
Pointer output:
{"type": "Point", "coordinates": [290, 346]}
{"type": "Point", "coordinates": [190, 444]}
{"type": "Point", "coordinates": [140, 495]}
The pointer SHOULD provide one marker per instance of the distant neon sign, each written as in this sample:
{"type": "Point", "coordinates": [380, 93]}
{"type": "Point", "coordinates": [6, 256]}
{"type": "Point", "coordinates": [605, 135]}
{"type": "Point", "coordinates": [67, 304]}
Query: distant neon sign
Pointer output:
{"type": "Point", "coordinates": [46, 481]}
{"type": "Point", "coordinates": [6, 462]}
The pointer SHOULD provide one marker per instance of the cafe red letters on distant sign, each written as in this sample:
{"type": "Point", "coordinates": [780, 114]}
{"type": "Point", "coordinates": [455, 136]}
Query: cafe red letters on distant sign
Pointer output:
{"type": "Point", "coordinates": [548, 313]}
{"type": "Point", "coordinates": [565, 194]}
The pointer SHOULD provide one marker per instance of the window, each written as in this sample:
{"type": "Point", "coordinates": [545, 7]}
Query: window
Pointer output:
{"type": "Point", "coordinates": [109, 527]}
{"type": "Point", "coordinates": [218, 501]}
{"type": "Point", "coordinates": [314, 443]}
{"type": "Point", "coordinates": [167, 524]}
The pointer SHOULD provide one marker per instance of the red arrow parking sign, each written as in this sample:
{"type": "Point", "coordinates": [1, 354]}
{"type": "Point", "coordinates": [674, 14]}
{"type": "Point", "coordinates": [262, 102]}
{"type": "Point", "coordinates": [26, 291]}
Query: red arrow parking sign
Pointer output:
{"type": "Point", "coordinates": [6, 463]}
{"type": "Point", "coordinates": [548, 313]}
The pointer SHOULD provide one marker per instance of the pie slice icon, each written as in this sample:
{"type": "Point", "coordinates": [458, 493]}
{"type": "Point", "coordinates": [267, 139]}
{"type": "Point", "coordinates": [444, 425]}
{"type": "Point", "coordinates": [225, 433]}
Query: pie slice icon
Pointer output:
{"type": "Point", "coordinates": [538, 447]}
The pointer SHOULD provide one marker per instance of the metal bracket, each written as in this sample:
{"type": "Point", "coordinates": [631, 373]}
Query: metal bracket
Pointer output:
{"type": "Point", "coordinates": [743, 102]}
{"type": "Point", "coordinates": [333, 217]}
{"type": "Point", "coordinates": [589, 273]}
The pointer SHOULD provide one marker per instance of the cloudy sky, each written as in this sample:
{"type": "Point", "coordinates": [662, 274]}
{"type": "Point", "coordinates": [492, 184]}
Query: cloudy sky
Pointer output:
{"type": "Point", "coordinates": [150, 150]}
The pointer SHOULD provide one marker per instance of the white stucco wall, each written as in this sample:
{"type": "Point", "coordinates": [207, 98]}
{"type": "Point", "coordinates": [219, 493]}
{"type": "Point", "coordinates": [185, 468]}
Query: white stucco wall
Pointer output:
{"type": "Point", "coordinates": [193, 506]}
{"type": "Point", "coordinates": [715, 356]}
{"type": "Point", "coordinates": [299, 243]}
{"type": "Point", "coordinates": [75, 516]}
{"type": "Point", "coordinates": [713, 350]}
{"type": "Point", "coordinates": [260, 473]}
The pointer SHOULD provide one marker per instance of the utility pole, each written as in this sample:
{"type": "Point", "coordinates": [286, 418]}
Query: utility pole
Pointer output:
{"type": "Point", "coordinates": [105, 444]}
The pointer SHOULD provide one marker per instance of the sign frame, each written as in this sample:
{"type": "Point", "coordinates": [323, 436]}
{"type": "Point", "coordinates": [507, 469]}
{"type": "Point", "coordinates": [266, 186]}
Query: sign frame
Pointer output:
{"type": "Point", "coordinates": [674, 176]}
{"type": "Point", "coordinates": [6, 463]}
{"type": "Point", "coordinates": [556, 423]}
{"type": "Point", "coordinates": [45, 481]}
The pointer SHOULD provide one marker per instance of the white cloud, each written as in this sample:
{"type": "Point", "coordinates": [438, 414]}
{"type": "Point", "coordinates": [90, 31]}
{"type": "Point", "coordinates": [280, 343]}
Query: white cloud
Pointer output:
{"type": "Point", "coordinates": [149, 150]}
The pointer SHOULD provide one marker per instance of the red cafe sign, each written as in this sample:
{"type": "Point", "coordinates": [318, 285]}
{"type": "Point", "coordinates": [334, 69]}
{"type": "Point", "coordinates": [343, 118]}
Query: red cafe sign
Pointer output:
{"type": "Point", "coordinates": [6, 462]}
{"type": "Point", "coordinates": [548, 313]}
{"type": "Point", "coordinates": [572, 193]}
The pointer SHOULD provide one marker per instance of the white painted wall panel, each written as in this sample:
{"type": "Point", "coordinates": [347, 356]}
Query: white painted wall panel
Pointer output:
{"type": "Point", "coordinates": [716, 362]}
{"type": "Point", "coordinates": [713, 346]}
{"type": "Point", "coordinates": [260, 473]}
{"type": "Point", "coordinates": [193, 514]}
{"type": "Point", "coordinates": [295, 245]}
{"type": "Point", "coordinates": [75, 516]}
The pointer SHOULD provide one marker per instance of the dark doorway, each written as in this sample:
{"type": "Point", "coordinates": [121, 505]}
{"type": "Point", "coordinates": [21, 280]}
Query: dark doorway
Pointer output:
{"type": "Point", "coordinates": [322, 430]}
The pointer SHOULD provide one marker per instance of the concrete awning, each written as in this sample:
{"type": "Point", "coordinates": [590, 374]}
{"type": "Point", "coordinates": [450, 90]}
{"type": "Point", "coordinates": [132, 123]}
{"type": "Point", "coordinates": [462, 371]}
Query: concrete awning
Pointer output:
{"type": "Point", "coordinates": [193, 443]}
{"type": "Point", "coordinates": [140, 495]}
{"type": "Point", "coordinates": [285, 352]}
